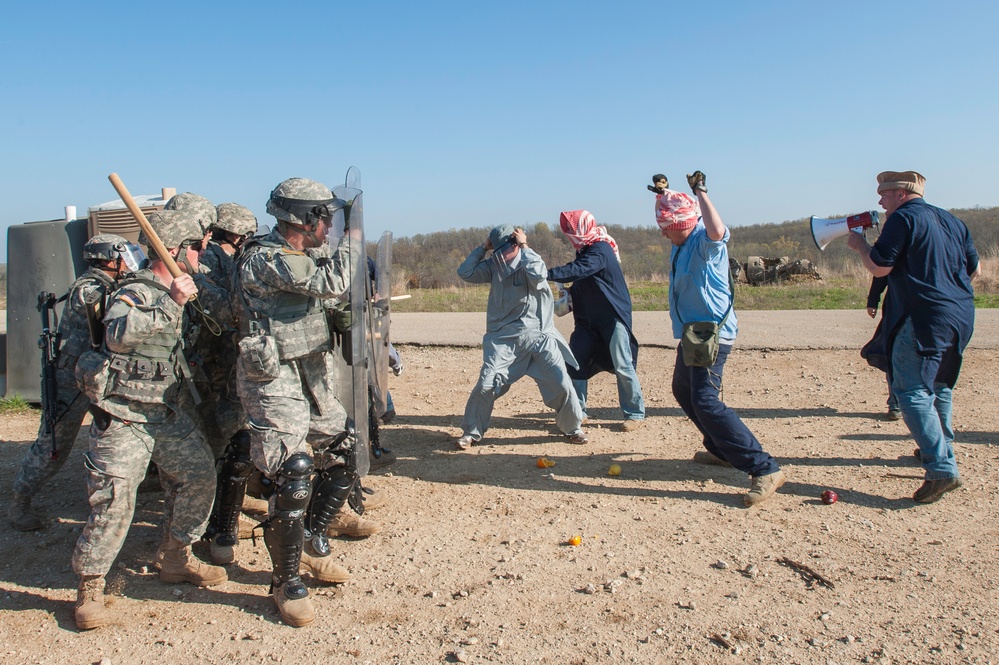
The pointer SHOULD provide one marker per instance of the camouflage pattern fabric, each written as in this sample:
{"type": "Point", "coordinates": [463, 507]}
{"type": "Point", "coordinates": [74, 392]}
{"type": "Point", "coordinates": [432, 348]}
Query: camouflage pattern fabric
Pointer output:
{"type": "Point", "coordinates": [203, 210]}
{"type": "Point", "coordinates": [142, 430]}
{"type": "Point", "coordinates": [38, 466]}
{"type": "Point", "coordinates": [116, 463]}
{"type": "Point", "coordinates": [220, 414]}
{"type": "Point", "coordinates": [173, 227]}
{"type": "Point", "coordinates": [235, 218]}
{"type": "Point", "coordinates": [299, 408]}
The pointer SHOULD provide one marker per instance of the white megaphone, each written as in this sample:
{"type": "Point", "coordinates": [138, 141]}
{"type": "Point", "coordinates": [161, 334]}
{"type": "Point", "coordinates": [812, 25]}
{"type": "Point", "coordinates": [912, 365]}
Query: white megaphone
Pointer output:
{"type": "Point", "coordinates": [825, 231]}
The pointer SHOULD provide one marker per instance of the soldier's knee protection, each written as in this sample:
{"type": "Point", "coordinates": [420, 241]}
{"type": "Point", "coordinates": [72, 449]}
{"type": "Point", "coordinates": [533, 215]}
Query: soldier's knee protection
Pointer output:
{"type": "Point", "coordinates": [284, 533]}
{"type": "Point", "coordinates": [330, 490]}
{"type": "Point", "coordinates": [234, 470]}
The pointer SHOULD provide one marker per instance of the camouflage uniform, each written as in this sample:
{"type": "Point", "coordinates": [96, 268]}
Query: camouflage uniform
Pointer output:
{"type": "Point", "coordinates": [296, 409]}
{"type": "Point", "coordinates": [141, 398]}
{"type": "Point", "coordinates": [287, 387]}
{"type": "Point", "coordinates": [38, 465]}
{"type": "Point", "coordinates": [211, 318]}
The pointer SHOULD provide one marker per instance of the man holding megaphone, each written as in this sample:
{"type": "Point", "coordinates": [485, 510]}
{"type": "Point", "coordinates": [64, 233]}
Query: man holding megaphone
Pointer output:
{"type": "Point", "coordinates": [930, 261]}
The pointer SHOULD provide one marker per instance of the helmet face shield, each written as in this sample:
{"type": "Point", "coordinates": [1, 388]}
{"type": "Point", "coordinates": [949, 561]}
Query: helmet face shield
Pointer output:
{"type": "Point", "coordinates": [132, 256]}
{"type": "Point", "coordinates": [506, 258]}
{"type": "Point", "coordinates": [310, 212]}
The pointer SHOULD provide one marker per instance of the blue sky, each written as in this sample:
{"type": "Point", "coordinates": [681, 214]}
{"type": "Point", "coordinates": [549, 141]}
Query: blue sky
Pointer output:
{"type": "Point", "coordinates": [473, 114]}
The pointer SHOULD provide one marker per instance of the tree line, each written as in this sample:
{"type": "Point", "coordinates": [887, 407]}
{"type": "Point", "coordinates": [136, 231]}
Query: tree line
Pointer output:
{"type": "Point", "coordinates": [429, 260]}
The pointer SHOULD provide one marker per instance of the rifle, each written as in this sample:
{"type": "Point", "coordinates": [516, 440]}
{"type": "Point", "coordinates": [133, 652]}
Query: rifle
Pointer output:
{"type": "Point", "coordinates": [49, 344]}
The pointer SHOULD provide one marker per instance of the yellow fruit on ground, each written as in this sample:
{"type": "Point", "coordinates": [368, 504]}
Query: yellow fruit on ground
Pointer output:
{"type": "Point", "coordinates": [614, 470]}
{"type": "Point", "coordinates": [544, 463]}
{"type": "Point", "coordinates": [576, 541]}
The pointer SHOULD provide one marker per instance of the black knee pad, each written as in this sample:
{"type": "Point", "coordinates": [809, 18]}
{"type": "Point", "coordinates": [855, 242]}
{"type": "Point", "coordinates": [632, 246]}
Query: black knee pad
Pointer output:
{"type": "Point", "coordinates": [293, 485]}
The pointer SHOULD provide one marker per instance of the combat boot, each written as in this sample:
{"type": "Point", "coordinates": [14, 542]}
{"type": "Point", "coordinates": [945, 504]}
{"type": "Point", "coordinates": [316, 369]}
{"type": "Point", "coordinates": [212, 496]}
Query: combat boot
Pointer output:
{"type": "Point", "coordinates": [247, 526]}
{"type": "Point", "coordinates": [160, 549]}
{"type": "Point", "coordinates": [323, 568]}
{"type": "Point", "coordinates": [348, 523]}
{"type": "Point", "coordinates": [90, 610]}
{"type": "Point", "coordinates": [20, 514]}
{"type": "Point", "coordinates": [293, 602]}
{"type": "Point", "coordinates": [255, 505]}
{"type": "Point", "coordinates": [372, 498]}
{"type": "Point", "coordinates": [221, 550]}
{"type": "Point", "coordinates": [180, 565]}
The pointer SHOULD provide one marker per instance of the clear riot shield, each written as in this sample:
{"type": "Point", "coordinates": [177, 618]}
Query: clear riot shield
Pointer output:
{"type": "Point", "coordinates": [378, 348]}
{"type": "Point", "coordinates": [356, 400]}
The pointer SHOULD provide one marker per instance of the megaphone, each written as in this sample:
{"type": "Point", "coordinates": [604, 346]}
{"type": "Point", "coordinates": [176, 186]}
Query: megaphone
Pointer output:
{"type": "Point", "coordinates": [825, 231]}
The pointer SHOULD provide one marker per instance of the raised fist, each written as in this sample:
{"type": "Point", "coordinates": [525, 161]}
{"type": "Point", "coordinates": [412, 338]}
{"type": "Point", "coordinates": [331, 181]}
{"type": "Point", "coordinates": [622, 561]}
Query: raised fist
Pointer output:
{"type": "Point", "coordinates": [696, 182]}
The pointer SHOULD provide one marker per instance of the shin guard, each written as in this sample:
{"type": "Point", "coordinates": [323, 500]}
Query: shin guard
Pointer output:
{"type": "Point", "coordinates": [330, 491]}
{"type": "Point", "coordinates": [284, 531]}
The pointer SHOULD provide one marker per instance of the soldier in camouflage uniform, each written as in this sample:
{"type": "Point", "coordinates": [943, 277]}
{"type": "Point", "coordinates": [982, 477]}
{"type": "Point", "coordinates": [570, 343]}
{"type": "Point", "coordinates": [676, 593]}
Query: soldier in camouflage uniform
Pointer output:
{"type": "Point", "coordinates": [135, 383]}
{"type": "Point", "coordinates": [221, 413]}
{"type": "Point", "coordinates": [286, 384]}
{"type": "Point", "coordinates": [106, 255]}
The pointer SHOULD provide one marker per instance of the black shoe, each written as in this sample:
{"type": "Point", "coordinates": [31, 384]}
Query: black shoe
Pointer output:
{"type": "Point", "coordinates": [381, 457]}
{"type": "Point", "coordinates": [932, 490]}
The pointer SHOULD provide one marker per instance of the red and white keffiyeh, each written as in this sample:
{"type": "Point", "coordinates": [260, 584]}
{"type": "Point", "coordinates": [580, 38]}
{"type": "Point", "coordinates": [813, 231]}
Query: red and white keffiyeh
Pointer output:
{"type": "Point", "coordinates": [676, 211]}
{"type": "Point", "coordinates": [581, 229]}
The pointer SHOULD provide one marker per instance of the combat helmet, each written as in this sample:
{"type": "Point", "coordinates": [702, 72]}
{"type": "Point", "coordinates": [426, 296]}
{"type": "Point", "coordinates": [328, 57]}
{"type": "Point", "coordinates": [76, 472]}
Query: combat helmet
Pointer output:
{"type": "Point", "coordinates": [235, 219]}
{"type": "Point", "coordinates": [302, 202]}
{"type": "Point", "coordinates": [104, 247]}
{"type": "Point", "coordinates": [202, 207]}
{"type": "Point", "coordinates": [174, 227]}
{"type": "Point", "coordinates": [111, 247]}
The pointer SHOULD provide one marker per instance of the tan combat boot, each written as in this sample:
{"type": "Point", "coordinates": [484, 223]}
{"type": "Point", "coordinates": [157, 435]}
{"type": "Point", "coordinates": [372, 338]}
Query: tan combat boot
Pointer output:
{"type": "Point", "coordinates": [20, 514]}
{"type": "Point", "coordinates": [247, 526]}
{"type": "Point", "coordinates": [254, 505]}
{"type": "Point", "coordinates": [348, 523]}
{"type": "Point", "coordinates": [372, 498]}
{"type": "Point", "coordinates": [293, 603]}
{"type": "Point", "coordinates": [324, 569]}
{"type": "Point", "coordinates": [221, 553]}
{"type": "Point", "coordinates": [90, 610]}
{"type": "Point", "coordinates": [180, 565]}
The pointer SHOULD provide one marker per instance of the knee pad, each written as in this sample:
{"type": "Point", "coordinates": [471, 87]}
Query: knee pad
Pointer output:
{"type": "Point", "coordinates": [293, 486]}
{"type": "Point", "coordinates": [236, 461]}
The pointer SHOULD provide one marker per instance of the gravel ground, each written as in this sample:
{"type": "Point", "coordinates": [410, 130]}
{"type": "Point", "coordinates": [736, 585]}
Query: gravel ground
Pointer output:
{"type": "Point", "coordinates": [474, 563]}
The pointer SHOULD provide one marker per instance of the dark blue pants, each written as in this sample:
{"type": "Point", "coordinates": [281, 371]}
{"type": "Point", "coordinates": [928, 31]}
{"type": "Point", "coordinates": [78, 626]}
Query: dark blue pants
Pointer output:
{"type": "Point", "coordinates": [725, 435]}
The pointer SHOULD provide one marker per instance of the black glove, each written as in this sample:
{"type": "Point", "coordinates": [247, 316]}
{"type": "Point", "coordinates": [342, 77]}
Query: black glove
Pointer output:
{"type": "Point", "coordinates": [696, 182]}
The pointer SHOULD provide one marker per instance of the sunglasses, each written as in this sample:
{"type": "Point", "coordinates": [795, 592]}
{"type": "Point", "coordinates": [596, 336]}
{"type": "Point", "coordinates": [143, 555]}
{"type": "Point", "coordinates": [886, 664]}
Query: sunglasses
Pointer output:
{"type": "Point", "coordinates": [198, 246]}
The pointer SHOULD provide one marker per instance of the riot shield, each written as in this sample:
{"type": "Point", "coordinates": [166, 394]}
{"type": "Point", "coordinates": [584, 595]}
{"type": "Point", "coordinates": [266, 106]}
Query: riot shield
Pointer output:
{"type": "Point", "coordinates": [381, 285]}
{"type": "Point", "coordinates": [355, 400]}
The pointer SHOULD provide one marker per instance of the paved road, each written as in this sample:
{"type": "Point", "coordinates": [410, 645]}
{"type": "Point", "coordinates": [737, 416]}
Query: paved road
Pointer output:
{"type": "Point", "coordinates": [794, 329]}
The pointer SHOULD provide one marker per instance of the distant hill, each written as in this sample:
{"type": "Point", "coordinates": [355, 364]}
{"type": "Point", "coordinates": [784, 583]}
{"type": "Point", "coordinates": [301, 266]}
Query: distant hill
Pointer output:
{"type": "Point", "coordinates": [429, 260]}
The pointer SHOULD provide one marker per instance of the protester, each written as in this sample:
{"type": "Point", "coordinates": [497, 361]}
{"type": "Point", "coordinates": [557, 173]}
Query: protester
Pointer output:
{"type": "Point", "coordinates": [930, 261]}
{"type": "Point", "coordinates": [602, 340]}
{"type": "Point", "coordinates": [520, 338]}
{"type": "Point", "coordinates": [700, 289]}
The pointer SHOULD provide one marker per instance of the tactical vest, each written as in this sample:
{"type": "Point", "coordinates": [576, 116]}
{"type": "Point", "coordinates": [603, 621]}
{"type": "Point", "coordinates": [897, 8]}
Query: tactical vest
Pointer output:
{"type": "Point", "coordinates": [150, 373]}
{"type": "Point", "coordinates": [297, 322]}
{"type": "Point", "coordinates": [73, 328]}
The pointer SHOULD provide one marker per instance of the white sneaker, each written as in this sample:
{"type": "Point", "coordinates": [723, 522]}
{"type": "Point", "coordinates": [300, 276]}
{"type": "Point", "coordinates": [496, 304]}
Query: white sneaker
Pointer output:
{"type": "Point", "coordinates": [464, 442]}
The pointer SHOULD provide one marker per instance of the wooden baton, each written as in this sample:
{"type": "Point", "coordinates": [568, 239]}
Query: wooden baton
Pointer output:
{"type": "Point", "coordinates": [140, 217]}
